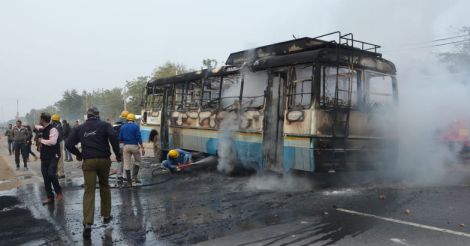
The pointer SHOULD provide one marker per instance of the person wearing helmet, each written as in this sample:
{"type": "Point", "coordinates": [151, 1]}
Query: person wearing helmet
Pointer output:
{"type": "Point", "coordinates": [60, 165]}
{"type": "Point", "coordinates": [117, 128]}
{"type": "Point", "coordinates": [177, 158]}
{"type": "Point", "coordinates": [130, 136]}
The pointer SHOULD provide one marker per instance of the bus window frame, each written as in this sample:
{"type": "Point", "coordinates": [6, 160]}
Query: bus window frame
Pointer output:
{"type": "Point", "coordinates": [355, 105]}
{"type": "Point", "coordinates": [291, 92]}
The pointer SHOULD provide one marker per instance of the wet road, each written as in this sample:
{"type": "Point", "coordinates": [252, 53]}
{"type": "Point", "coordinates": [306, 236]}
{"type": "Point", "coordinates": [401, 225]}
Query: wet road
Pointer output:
{"type": "Point", "coordinates": [212, 209]}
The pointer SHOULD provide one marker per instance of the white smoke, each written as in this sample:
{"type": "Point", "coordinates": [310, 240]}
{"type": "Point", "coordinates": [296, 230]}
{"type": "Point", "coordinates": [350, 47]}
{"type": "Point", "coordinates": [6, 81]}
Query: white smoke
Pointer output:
{"type": "Point", "coordinates": [284, 183]}
{"type": "Point", "coordinates": [226, 143]}
{"type": "Point", "coordinates": [431, 99]}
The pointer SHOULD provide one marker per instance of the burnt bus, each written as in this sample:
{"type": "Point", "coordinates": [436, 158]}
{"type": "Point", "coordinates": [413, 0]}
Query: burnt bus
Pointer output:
{"type": "Point", "coordinates": [305, 104]}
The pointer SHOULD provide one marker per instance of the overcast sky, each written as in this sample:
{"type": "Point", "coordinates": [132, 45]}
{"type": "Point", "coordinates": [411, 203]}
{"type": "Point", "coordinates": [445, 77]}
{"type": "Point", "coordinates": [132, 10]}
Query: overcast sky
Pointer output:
{"type": "Point", "coordinates": [49, 46]}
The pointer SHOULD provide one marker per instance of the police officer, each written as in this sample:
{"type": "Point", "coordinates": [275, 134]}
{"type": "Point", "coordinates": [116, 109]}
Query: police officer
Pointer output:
{"type": "Point", "coordinates": [94, 136]}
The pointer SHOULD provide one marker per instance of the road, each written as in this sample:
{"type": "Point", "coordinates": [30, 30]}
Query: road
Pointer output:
{"type": "Point", "coordinates": [208, 208]}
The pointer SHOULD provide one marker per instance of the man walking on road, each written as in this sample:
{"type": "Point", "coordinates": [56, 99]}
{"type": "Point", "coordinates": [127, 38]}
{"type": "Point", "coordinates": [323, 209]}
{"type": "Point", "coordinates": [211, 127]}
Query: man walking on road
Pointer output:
{"type": "Point", "coordinates": [60, 165]}
{"type": "Point", "coordinates": [130, 136]}
{"type": "Point", "coordinates": [20, 138]}
{"type": "Point", "coordinates": [66, 130]}
{"type": "Point", "coordinates": [117, 128]}
{"type": "Point", "coordinates": [50, 154]}
{"type": "Point", "coordinates": [9, 135]}
{"type": "Point", "coordinates": [94, 136]}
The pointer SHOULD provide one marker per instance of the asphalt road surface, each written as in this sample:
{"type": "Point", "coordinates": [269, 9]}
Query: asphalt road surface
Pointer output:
{"type": "Point", "coordinates": [208, 208]}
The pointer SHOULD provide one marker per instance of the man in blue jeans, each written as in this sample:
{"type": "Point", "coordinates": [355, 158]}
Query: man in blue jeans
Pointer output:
{"type": "Point", "coordinates": [177, 160]}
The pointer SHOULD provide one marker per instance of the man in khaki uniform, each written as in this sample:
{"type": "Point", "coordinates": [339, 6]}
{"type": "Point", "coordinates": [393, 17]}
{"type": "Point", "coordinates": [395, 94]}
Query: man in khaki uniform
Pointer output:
{"type": "Point", "coordinates": [95, 136]}
{"type": "Point", "coordinates": [60, 166]}
{"type": "Point", "coordinates": [130, 136]}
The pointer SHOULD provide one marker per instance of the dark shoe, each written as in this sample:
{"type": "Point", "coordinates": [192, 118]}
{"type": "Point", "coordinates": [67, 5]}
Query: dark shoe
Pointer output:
{"type": "Point", "coordinates": [106, 220]}
{"type": "Point", "coordinates": [61, 177]}
{"type": "Point", "coordinates": [129, 180]}
{"type": "Point", "coordinates": [49, 200]}
{"type": "Point", "coordinates": [87, 231]}
{"type": "Point", "coordinates": [59, 196]}
{"type": "Point", "coordinates": [136, 173]}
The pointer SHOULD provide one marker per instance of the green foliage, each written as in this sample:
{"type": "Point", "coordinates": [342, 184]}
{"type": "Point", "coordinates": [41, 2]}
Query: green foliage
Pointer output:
{"type": "Point", "coordinates": [135, 93]}
{"type": "Point", "coordinates": [109, 102]}
{"type": "Point", "coordinates": [169, 69]}
{"type": "Point", "coordinates": [32, 117]}
{"type": "Point", "coordinates": [209, 63]}
{"type": "Point", "coordinates": [71, 106]}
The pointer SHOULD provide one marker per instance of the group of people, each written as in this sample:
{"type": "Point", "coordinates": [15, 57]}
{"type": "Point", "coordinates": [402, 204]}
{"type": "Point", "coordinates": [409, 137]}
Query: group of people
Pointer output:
{"type": "Point", "coordinates": [96, 138]}
{"type": "Point", "coordinates": [20, 139]}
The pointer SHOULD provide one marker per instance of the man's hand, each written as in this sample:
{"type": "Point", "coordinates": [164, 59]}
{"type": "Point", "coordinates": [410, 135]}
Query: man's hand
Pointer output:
{"type": "Point", "coordinates": [79, 158]}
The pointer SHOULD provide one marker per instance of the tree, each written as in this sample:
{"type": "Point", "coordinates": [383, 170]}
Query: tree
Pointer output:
{"type": "Point", "coordinates": [32, 117]}
{"type": "Point", "coordinates": [135, 93]}
{"type": "Point", "coordinates": [169, 69]}
{"type": "Point", "coordinates": [109, 102]}
{"type": "Point", "coordinates": [71, 106]}
{"type": "Point", "coordinates": [209, 63]}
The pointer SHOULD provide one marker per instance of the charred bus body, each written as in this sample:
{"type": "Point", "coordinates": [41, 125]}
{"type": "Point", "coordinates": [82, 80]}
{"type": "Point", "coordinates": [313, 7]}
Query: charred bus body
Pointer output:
{"type": "Point", "coordinates": [304, 104]}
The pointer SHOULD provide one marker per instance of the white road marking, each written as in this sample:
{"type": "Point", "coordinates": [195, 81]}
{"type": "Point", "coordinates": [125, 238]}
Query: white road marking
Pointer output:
{"type": "Point", "coordinates": [399, 241]}
{"type": "Point", "coordinates": [432, 228]}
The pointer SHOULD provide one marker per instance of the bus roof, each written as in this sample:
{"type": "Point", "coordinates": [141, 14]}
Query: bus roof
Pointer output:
{"type": "Point", "coordinates": [292, 52]}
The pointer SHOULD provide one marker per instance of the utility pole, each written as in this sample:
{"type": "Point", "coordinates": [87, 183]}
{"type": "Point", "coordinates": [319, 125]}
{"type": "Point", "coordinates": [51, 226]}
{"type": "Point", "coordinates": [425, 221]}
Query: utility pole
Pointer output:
{"type": "Point", "coordinates": [124, 95]}
{"type": "Point", "coordinates": [17, 110]}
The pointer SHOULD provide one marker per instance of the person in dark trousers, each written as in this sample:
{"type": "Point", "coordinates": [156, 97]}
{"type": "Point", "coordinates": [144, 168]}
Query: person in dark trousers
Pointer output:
{"type": "Point", "coordinates": [9, 135]}
{"type": "Point", "coordinates": [50, 154]}
{"type": "Point", "coordinates": [20, 137]}
{"type": "Point", "coordinates": [66, 130]}
{"type": "Point", "coordinates": [30, 142]}
{"type": "Point", "coordinates": [95, 136]}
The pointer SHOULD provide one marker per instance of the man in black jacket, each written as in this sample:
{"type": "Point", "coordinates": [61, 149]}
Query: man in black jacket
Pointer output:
{"type": "Point", "coordinates": [66, 130]}
{"type": "Point", "coordinates": [50, 154]}
{"type": "Point", "coordinates": [94, 136]}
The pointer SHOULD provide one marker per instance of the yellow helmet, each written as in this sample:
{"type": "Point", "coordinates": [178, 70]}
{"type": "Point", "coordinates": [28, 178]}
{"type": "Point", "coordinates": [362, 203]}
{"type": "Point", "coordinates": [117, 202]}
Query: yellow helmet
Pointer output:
{"type": "Point", "coordinates": [55, 117]}
{"type": "Point", "coordinates": [130, 117]}
{"type": "Point", "coordinates": [173, 154]}
{"type": "Point", "coordinates": [124, 114]}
